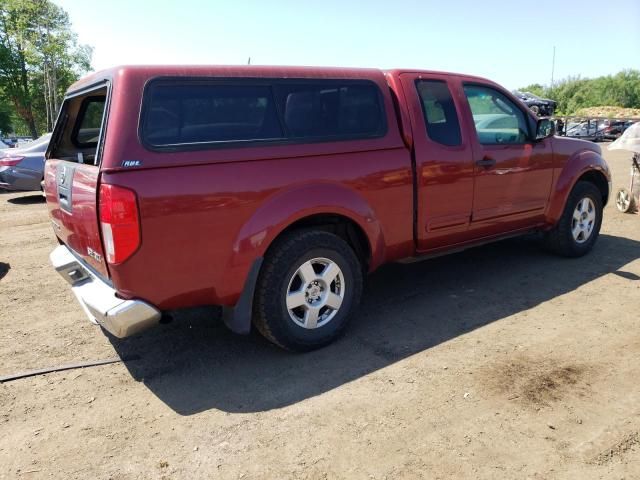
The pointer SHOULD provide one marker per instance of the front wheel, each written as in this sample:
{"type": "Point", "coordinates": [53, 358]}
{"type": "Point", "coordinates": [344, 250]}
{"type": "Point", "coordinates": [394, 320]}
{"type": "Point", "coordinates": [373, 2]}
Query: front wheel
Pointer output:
{"type": "Point", "coordinates": [579, 226]}
{"type": "Point", "coordinates": [310, 283]}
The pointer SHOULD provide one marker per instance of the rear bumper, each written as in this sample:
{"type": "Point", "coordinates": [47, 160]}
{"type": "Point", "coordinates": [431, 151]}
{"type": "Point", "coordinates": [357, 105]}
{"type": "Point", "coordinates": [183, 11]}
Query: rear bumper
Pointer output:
{"type": "Point", "coordinates": [119, 317]}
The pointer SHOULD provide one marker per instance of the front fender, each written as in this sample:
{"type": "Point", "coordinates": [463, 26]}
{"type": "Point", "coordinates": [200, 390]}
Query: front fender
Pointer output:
{"type": "Point", "coordinates": [285, 208]}
{"type": "Point", "coordinates": [576, 166]}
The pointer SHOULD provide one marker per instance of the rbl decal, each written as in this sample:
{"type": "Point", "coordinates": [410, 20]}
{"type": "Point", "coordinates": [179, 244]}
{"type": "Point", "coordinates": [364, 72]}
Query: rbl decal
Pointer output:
{"type": "Point", "coordinates": [131, 163]}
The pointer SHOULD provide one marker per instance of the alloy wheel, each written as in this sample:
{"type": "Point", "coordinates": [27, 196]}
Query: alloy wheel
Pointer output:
{"type": "Point", "coordinates": [315, 293]}
{"type": "Point", "coordinates": [583, 221]}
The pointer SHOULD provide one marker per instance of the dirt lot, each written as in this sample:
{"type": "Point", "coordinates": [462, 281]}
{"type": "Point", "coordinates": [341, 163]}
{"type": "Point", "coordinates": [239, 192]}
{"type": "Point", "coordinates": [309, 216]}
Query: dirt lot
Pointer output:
{"type": "Point", "coordinates": [498, 362]}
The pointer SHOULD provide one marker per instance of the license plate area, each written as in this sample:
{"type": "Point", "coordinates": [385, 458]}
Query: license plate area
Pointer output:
{"type": "Point", "coordinates": [73, 273]}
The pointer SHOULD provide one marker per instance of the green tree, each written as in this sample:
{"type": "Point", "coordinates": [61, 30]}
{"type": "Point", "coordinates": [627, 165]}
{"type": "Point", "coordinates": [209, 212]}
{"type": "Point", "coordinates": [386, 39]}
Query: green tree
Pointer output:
{"type": "Point", "coordinates": [574, 93]}
{"type": "Point", "coordinates": [39, 59]}
{"type": "Point", "coordinates": [534, 88]}
{"type": "Point", "coordinates": [6, 124]}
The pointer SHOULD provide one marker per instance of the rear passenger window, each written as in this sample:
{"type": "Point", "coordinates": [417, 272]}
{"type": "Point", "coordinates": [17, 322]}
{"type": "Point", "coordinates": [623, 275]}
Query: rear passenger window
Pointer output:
{"type": "Point", "coordinates": [200, 112]}
{"type": "Point", "coordinates": [439, 112]}
{"type": "Point", "coordinates": [331, 109]}
{"type": "Point", "coordinates": [195, 113]}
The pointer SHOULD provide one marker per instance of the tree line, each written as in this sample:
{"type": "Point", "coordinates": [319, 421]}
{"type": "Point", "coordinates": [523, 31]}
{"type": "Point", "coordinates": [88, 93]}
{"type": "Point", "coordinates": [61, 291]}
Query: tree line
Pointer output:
{"type": "Point", "coordinates": [39, 59]}
{"type": "Point", "coordinates": [574, 93]}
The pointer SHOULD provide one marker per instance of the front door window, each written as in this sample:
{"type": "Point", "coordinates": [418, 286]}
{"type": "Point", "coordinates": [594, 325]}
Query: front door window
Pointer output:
{"type": "Point", "coordinates": [497, 119]}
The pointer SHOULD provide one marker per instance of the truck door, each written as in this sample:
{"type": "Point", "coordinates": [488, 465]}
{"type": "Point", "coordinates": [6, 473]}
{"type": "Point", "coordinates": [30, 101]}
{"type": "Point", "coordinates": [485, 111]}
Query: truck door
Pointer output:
{"type": "Point", "coordinates": [513, 172]}
{"type": "Point", "coordinates": [443, 160]}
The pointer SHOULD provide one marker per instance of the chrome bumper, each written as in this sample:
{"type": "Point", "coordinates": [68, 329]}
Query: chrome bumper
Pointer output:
{"type": "Point", "coordinates": [119, 317]}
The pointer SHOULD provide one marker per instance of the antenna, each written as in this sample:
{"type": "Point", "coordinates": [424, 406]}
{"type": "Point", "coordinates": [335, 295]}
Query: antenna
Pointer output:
{"type": "Point", "coordinates": [553, 65]}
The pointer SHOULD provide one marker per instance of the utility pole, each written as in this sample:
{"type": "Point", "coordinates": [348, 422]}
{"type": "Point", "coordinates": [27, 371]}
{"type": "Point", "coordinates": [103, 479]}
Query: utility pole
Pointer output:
{"type": "Point", "coordinates": [553, 65]}
{"type": "Point", "coordinates": [249, 61]}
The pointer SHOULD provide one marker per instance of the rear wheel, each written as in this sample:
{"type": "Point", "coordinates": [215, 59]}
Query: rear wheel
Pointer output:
{"type": "Point", "coordinates": [579, 226]}
{"type": "Point", "coordinates": [310, 283]}
{"type": "Point", "coordinates": [625, 201]}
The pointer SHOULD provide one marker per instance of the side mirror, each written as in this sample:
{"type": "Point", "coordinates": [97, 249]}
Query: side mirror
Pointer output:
{"type": "Point", "coordinates": [545, 128]}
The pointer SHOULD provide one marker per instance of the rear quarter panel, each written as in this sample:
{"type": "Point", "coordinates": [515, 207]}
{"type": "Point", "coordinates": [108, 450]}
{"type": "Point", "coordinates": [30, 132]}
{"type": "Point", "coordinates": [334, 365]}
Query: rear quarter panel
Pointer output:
{"type": "Point", "coordinates": [203, 225]}
{"type": "Point", "coordinates": [30, 171]}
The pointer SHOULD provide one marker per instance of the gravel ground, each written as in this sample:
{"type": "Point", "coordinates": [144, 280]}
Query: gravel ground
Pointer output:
{"type": "Point", "coordinates": [497, 362]}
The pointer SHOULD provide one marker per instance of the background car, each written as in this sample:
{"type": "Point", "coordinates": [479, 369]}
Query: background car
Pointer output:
{"type": "Point", "coordinates": [587, 130]}
{"type": "Point", "coordinates": [24, 142]}
{"type": "Point", "coordinates": [616, 128]}
{"type": "Point", "coordinates": [10, 142]}
{"type": "Point", "coordinates": [23, 168]}
{"type": "Point", "coordinates": [543, 107]}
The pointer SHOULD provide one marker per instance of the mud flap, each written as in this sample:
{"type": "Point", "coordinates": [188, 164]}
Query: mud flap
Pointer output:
{"type": "Point", "coordinates": [238, 318]}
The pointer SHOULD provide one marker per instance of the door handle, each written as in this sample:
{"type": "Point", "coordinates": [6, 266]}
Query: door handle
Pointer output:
{"type": "Point", "coordinates": [486, 162]}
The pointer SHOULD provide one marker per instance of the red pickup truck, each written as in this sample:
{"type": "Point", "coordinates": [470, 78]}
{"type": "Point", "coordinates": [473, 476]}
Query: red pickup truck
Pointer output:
{"type": "Point", "coordinates": [271, 191]}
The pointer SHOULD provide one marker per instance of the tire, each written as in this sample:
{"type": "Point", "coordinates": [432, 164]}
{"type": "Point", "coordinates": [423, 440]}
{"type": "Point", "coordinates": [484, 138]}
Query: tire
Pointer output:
{"type": "Point", "coordinates": [583, 209]}
{"type": "Point", "coordinates": [625, 201]}
{"type": "Point", "coordinates": [295, 272]}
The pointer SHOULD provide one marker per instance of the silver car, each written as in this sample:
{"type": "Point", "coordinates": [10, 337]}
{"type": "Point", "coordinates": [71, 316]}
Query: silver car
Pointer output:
{"type": "Point", "coordinates": [23, 168]}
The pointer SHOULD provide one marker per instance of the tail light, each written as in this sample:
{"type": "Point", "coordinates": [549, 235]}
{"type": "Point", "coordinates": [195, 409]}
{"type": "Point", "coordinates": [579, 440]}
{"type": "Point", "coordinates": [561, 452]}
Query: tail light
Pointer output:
{"type": "Point", "coordinates": [10, 161]}
{"type": "Point", "coordinates": [119, 222]}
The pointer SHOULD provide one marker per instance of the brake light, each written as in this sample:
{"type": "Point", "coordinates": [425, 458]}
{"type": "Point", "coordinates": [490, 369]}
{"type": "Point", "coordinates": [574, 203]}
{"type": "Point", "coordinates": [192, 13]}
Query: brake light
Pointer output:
{"type": "Point", "coordinates": [10, 161]}
{"type": "Point", "coordinates": [119, 222]}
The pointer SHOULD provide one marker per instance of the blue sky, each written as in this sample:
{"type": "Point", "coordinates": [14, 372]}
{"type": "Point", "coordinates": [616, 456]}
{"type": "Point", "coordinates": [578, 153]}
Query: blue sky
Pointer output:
{"type": "Point", "coordinates": [509, 42]}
